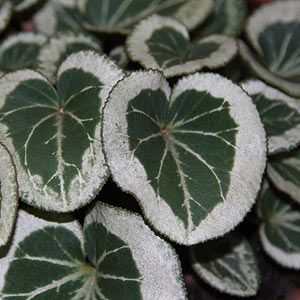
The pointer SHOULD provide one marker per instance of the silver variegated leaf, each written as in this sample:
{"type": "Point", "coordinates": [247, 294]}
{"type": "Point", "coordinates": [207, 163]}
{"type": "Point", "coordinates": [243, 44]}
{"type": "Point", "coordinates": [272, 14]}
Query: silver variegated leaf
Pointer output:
{"type": "Point", "coordinates": [8, 195]}
{"type": "Point", "coordinates": [163, 43]}
{"type": "Point", "coordinates": [273, 31]}
{"type": "Point", "coordinates": [58, 47]}
{"type": "Point", "coordinates": [228, 17]}
{"type": "Point", "coordinates": [6, 9]}
{"type": "Point", "coordinates": [45, 260]}
{"type": "Point", "coordinates": [280, 231]}
{"type": "Point", "coordinates": [280, 115]}
{"type": "Point", "coordinates": [57, 15]}
{"type": "Point", "coordinates": [20, 50]}
{"type": "Point", "coordinates": [284, 172]}
{"type": "Point", "coordinates": [121, 15]}
{"type": "Point", "coordinates": [227, 264]}
{"type": "Point", "coordinates": [55, 135]}
{"type": "Point", "coordinates": [184, 154]}
{"type": "Point", "coordinates": [131, 261]}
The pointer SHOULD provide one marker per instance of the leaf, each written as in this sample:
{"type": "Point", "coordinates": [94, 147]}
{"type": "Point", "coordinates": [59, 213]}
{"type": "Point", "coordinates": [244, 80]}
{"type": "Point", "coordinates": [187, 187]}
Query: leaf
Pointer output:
{"type": "Point", "coordinates": [228, 18]}
{"type": "Point", "coordinates": [184, 154]}
{"type": "Point", "coordinates": [6, 9]}
{"type": "Point", "coordinates": [284, 172]}
{"type": "Point", "coordinates": [119, 16]}
{"type": "Point", "coordinates": [163, 43]}
{"type": "Point", "coordinates": [20, 50]}
{"type": "Point", "coordinates": [280, 231]}
{"type": "Point", "coordinates": [59, 47]}
{"type": "Point", "coordinates": [57, 15]}
{"type": "Point", "coordinates": [8, 195]}
{"type": "Point", "coordinates": [131, 261]}
{"type": "Point", "coordinates": [280, 115]}
{"type": "Point", "coordinates": [227, 264]}
{"type": "Point", "coordinates": [119, 55]}
{"type": "Point", "coordinates": [55, 135]}
{"type": "Point", "coordinates": [273, 31]}
{"type": "Point", "coordinates": [45, 260]}
{"type": "Point", "coordinates": [21, 5]}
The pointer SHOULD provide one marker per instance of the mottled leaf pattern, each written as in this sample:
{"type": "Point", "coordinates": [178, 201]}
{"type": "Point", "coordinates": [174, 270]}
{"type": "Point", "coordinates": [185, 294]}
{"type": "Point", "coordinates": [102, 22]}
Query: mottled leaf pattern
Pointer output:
{"type": "Point", "coordinates": [284, 172]}
{"type": "Point", "coordinates": [8, 195]}
{"type": "Point", "coordinates": [55, 134]}
{"type": "Point", "coordinates": [174, 146]}
{"type": "Point", "coordinates": [280, 230]}
{"type": "Point", "coordinates": [279, 113]}
{"type": "Point", "coordinates": [121, 15]}
{"type": "Point", "coordinates": [20, 50]}
{"type": "Point", "coordinates": [228, 264]}
{"type": "Point", "coordinates": [163, 43]}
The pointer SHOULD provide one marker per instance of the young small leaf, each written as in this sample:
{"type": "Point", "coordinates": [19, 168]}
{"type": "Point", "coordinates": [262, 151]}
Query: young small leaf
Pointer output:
{"type": "Point", "coordinates": [227, 264]}
{"type": "Point", "coordinates": [121, 15]}
{"type": "Point", "coordinates": [228, 18]}
{"type": "Point", "coordinates": [58, 15]}
{"type": "Point", "coordinates": [280, 231]}
{"type": "Point", "coordinates": [119, 55]}
{"type": "Point", "coordinates": [6, 9]}
{"type": "Point", "coordinates": [20, 50]}
{"type": "Point", "coordinates": [21, 5]}
{"type": "Point", "coordinates": [54, 135]}
{"type": "Point", "coordinates": [163, 43]}
{"type": "Point", "coordinates": [280, 115]}
{"type": "Point", "coordinates": [169, 149]}
{"type": "Point", "coordinates": [273, 31]}
{"type": "Point", "coordinates": [131, 261]}
{"type": "Point", "coordinates": [59, 47]}
{"type": "Point", "coordinates": [8, 195]}
{"type": "Point", "coordinates": [284, 172]}
{"type": "Point", "coordinates": [45, 260]}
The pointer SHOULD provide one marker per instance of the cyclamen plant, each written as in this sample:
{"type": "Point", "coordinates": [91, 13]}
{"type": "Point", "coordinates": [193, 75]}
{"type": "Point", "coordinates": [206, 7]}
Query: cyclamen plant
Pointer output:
{"type": "Point", "coordinates": [197, 150]}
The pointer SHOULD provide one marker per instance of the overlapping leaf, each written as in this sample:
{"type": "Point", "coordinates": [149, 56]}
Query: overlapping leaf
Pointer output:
{"type": "Point", "coordinates": [184, 154]}
{"type": "Point", "coordinates": [8, 195]}
{"type": "Point", "coordinates": [284, 172]}
{"type": "Point", "coordinates": [121, 15]}
{"type": "Point", "coordinates": [121, 259]}
{"type": "Point", "coordinates": [6, 9]}
{"type": "Point", "coordinates": [119, 55]}
{"type": "Point", "coordinates": [20, 50]}
{"type": "Point", "coordinates": [59, 47]}
{"type": "Point", "coordinates": [280, 230]}
{"type": "Point", "coordinates": [273, 31]}
{"type": "Point", "coordinates": [228, 18]}
{"type": "Point", "coordinates": [55, 135]}
{"type": "Point", "coordinates": [228, 264]}
{"type": "Point", "coordinates": [163, 43]}
{"type": "Point", "coordinates": [279, 113]}
{"type": "Point", "coordinates": [57, 15]}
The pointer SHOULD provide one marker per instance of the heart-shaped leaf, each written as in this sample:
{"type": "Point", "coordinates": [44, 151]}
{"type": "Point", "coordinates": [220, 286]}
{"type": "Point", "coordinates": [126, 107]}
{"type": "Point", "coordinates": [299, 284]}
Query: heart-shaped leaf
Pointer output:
{"type": "Point", "coordinates": [227, 264]}
{"type": "Point", "coordinates": [59, 47]}
{"type": "Point", "coordinates": [20, 50]}
{"type": "Point", "coordinates": [6, 9]}
{"type": "Point", "coordinates": [121, 15]}
{"type": "Point", "coordinates": [54, 136]}
{"type": "Point", "coordinates": [280, 231]}
{"type": "Point", "coordinates": [184, 154]}
{"type": "Point", "coordinates": [280, 115]}
{"type": "Point", "coordinates": [121, 259]}
{"type": "Point", "coordinates": [45, 260]}
{"type": "Point", "coordinates": [57, 15]}
{"type": "Point", "coordinates": [21, 5]}
{"type": "Point", "coordinates": [284, 172]}
{"type": "Point", "coordinates": [131, 261]}
{"type": "Point", "coordinates": [274, 31]}
{"type": "Point", "coordinates": [163, 43]}
{"type": "Point", "coordinates": [8, 195]}
{"type": "Point", "coordinates": [228, 18]}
